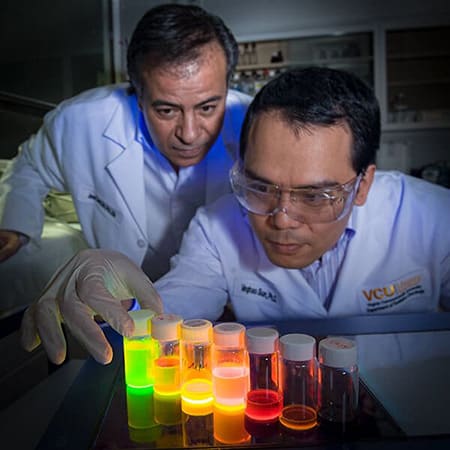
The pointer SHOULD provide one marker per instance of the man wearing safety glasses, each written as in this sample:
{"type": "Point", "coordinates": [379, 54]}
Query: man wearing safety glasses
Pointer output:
{"type": "Point", "coordinates": [311, 230]}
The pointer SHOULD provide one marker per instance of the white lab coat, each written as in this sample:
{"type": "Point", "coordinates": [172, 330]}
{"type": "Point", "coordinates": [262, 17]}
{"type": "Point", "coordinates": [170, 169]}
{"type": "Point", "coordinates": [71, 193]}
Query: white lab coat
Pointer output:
{"type": "Point", "coordinates": [397, 261]}
{"type": "Point", "coordinates": [91, 146]}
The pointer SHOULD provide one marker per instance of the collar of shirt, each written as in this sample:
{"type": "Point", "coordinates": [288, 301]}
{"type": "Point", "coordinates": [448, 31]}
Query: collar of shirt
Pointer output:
{"type": "Point", "coordinates": [322, 274]}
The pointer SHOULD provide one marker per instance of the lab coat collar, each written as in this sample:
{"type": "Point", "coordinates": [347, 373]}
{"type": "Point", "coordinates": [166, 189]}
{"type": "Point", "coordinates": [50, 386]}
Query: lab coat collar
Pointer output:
{"type": "Point", "coordinates": [123, 127]}
{"type": "Point", "coordinates": [126, 166]}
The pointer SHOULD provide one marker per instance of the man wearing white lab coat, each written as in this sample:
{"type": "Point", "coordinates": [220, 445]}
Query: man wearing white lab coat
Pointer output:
{"type": "Point", "coordinates": [397, 261]}
{"type": "Point", "coordinates": [137, 164]}
{"type": "Point", "coordinates": [312, 230]}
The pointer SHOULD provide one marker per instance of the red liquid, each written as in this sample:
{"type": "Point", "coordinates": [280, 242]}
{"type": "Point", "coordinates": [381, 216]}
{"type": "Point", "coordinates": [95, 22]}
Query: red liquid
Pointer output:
{"type": "Point", "coordinates": [264, 405]}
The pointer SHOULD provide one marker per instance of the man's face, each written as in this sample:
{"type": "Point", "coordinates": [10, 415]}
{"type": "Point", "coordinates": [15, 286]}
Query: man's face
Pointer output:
{"type": "Point", "coordinates": [316, 157]}
{"type": "Point", "coordinates": [184, 105]}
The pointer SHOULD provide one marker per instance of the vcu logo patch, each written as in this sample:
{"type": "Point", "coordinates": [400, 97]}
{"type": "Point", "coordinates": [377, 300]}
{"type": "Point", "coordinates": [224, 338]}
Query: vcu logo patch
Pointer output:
{"type": "Point", "coordinates": [392, 294]}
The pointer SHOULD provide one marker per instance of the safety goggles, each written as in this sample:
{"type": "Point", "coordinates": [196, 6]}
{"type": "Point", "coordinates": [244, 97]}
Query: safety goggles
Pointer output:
{"type": "Point", "coordinates": [306, 204]}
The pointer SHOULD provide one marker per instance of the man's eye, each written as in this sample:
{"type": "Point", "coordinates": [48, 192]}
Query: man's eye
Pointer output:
{"type": "Point", "coordinates": [258, 187]}
{"type": "Point", "coordinates": [165, 112]}
{"type": "Point", "coordinates": [208, 109]}
{"type": "Point", "coordinates": [310, 198]}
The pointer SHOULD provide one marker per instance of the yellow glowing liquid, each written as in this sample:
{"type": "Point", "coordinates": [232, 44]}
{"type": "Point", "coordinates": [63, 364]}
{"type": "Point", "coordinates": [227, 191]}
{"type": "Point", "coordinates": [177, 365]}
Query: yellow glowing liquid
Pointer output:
{"type": "Point", "coordinates": [138, 357]}
{"type": "Point", "coordinates": [229, 425]}
{"type": "Point", "coordinates": [197, 397]}
{"type": "Point", "coordinates": [167, 408]}
{"type": "Point", "coordinates": [230, 385]}
{"type": "Point", "coordinates": [167, 375]}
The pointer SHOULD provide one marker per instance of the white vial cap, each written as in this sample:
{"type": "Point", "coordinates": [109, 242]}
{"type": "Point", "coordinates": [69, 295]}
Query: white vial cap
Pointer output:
{"type": "Point", "coordinates": [262, 340]}
{"type": "Point", "coordinates": [166, 327]}
{"type": "Point", "coordinates": [229, 334]}
{"type": "Point", "coordinates": [141, 318]}
{"type": "Point", "coordinates": [297, 347]}
{"type": "Point", "coordinates": [196, 330]}
{"type": "Point", "coordinates": [337, 352]}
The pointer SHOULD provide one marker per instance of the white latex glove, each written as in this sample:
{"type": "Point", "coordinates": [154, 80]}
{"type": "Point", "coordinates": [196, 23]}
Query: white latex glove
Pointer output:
{"type": "Point", "coordinates": [94, 282]}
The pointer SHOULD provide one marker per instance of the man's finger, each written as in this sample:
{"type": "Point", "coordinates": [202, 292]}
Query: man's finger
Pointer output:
{"type": "Point", "coordinates": [143, 290]}
{"type": "Point", "coordinates": [29, 337]}
{"type": "Point", "coordinates": [50, 330]}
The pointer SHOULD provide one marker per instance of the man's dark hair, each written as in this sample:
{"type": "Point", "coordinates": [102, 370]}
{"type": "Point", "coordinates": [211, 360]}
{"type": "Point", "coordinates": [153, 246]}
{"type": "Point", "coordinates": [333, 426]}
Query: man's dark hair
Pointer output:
{"type": "Point", "coordinates": [324, 97]}
{"type": "Point", "coordinates": [174, 34]}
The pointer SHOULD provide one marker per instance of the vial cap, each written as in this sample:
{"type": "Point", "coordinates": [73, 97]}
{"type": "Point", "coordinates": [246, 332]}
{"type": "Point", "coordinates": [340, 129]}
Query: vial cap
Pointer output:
{"type": "Point", "coordinates": [297, 347]}
{"type": "Point", "coordinates": [337, 352]}
{"type": "Point", "coordinates": [229, 334]}
{"type": "Point", "coordinates": [142, 324]}
{"type": "Point", "coordinates": [196, 330]}
{"type": "Point", "coordinates": [166, 327]}
{"type": "Point", "coordinates": [262, 340]}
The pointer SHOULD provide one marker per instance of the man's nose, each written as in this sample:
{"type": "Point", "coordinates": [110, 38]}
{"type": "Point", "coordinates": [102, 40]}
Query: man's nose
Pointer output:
{"type": "Point", "coordinates": [280, 215]}
{"type": "Point", "coordinates": [188, 129]}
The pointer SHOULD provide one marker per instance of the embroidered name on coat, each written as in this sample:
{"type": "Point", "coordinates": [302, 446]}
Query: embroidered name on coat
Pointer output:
{"type": "Point", "coordinates": [393, 294]}
{"type": "Point", "coordinates": [259, 292]}
{"type": "Point", "coordinates": [105, 206]}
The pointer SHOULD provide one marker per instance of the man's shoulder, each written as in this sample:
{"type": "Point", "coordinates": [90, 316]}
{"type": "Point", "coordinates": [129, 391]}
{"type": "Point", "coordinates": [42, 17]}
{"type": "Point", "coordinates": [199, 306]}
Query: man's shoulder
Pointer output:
{"type": "Point", "coordinates": [93, 108]}
{"type": "Point", "coordinates": [224, 207]}
{"type": "Point", "coordinates": [100, 96]}
{"type": "Point", "coordinates": [222, 213]}
{"type": "Point", "coordinates": [399, 185]}
{"type": "Point", "coordinates": [238, 98]}
{"type": "Point", "coordinates": [396, 201]}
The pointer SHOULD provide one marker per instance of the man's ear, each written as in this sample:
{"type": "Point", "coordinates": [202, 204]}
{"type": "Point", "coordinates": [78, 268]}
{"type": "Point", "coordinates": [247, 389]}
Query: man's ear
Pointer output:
{"type": "Point", "coordinates": [139, 100]}
{"type": "Point", "coordinates": [364, 185]}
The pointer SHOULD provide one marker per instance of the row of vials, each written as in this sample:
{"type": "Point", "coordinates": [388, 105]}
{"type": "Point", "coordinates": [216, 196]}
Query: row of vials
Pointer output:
{"type": "Point", "coordinates": [239, 373]}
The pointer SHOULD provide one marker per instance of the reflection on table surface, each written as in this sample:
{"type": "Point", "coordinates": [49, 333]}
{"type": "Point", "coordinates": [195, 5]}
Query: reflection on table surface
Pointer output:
{"type": "Point", "coordinates": [155, 427]}
{"type": "Point", "coordinates": [403, 399]}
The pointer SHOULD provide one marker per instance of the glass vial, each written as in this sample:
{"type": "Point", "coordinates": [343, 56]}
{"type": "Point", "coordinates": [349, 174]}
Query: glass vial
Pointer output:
{"type": "Point", "coordinates": [166, 331]}
{"type": "Point", "coordinates": [298, 381]}
{"type": "Point", "coordinates": [196, 377]}
{"type": "Point", "coordinates": [264, 399]}
{"type": "Point", "coordinates": [230, 378]}
{"type": "Point", "coordinates": [338, 381]}
{"type": "Point", "coordinates": [138, 351]}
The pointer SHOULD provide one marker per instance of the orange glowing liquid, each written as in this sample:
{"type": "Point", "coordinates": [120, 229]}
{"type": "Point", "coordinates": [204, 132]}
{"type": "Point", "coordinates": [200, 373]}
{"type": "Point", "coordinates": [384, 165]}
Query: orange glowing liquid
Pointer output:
{"type": "Point", "coordinates": [229, 425]}
{"type": "Point", "coordinates": [167, 375]}
{"type": "Point", "coordinates": [230, 385]}
{"type": "Point", "coordinates": [299, 417]}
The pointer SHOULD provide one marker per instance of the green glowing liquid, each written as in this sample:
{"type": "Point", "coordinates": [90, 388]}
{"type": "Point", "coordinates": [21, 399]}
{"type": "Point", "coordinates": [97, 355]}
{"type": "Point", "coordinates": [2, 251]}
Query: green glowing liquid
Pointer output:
{"type": "Point", "coordinates": [140, 407]}
{"type": "Point", "coordinates": [139, 356]}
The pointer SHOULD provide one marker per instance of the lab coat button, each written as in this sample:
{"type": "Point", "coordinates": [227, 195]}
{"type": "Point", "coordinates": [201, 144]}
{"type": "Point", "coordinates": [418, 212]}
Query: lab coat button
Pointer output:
{"type": "Point", "coordinates": [141, 243]}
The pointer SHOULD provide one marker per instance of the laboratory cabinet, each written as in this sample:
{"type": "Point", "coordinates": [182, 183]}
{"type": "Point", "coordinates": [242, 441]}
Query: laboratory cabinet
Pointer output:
{"type": "Point", "coordinates": [418, 76]}
{"type": "Point", "coordinates": [408, 66]}
{"type": "Point", "coordinates": [261, 61]}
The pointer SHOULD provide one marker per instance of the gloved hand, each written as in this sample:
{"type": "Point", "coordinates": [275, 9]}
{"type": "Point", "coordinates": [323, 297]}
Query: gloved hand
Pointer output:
{"type": "Point", "coordinates": [94, 282]}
